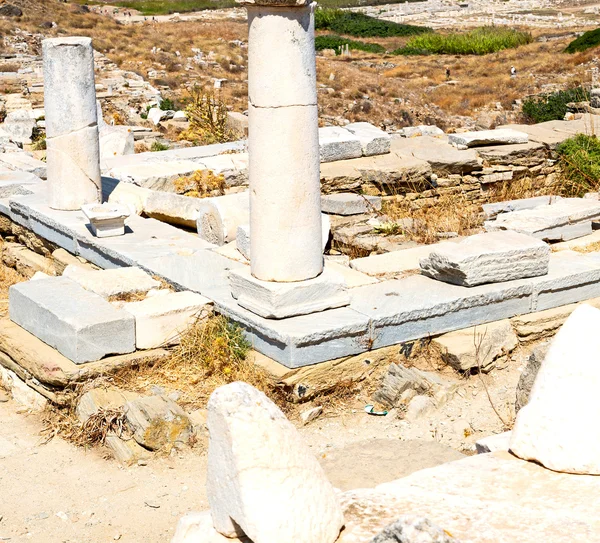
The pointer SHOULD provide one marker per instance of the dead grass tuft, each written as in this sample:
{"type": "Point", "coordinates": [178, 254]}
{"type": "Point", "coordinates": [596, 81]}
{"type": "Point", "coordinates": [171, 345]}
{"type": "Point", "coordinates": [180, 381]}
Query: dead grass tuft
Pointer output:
{"type": "Point", "coordinates": [8, 278]}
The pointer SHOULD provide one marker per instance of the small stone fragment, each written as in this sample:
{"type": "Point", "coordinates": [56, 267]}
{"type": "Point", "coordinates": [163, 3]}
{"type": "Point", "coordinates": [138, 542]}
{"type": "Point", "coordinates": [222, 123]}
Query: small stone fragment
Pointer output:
{"type": "Point", "coordinates": [408, 529]}
{"type": "Point", "coordinates": [311, 414]}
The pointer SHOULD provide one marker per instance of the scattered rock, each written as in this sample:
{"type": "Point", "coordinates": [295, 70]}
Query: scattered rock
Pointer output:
{"type": "Point", "coordinates": [102, 398]}
{"type": "Point", "coordinates": [418, 407]}
{"type": "Point", "coordinates": [498, 442]}
{"type": "Point", "coordinates": [262, 479]}
{"type": "Point", "coordinates": [311, 414]}
{"type": "Point", "coordinates": [477, 347]}
{"type": "Point", "coordinates": [8, 10]}
{"type": "Point", "coordinates": [21, 392]}
{"type": "Point", "coordinates": [408, 529]}
{"type": "Point", "coordinates": [157, 422]}
{"type": "Point", "coordinates": [525, 384]}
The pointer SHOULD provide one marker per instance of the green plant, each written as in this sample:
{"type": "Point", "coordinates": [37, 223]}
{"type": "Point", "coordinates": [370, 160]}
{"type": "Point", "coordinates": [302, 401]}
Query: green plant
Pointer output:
{"type": "Point", "coordinates": [551, 107]}
{"type": "Point", "coordinates": [207, 114]}
{"type": "Point", "coordinates": [167, 104]}
{"type": "Point", "coordinates": [337, 42]}
{"type": "Point", "coordinates": [157, 146]}
{"type": "Point", "coordinates": [579, 160]}
{"type": "Point", "coordinates": [360, 25]}
{"type": "Point", "coordinates": [38, 139]}
{"type": "Point", "coordinates": [480, 41]}
{"type": "Point", "coordinates": [584, 42]}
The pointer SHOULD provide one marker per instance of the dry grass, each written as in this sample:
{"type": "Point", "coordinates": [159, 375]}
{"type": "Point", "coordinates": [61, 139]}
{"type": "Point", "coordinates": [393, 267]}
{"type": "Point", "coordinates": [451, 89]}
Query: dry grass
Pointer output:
{"type": "Point", "coordinates": [591, 248]}
{"type": "Point", "coordinates": [8, 277]}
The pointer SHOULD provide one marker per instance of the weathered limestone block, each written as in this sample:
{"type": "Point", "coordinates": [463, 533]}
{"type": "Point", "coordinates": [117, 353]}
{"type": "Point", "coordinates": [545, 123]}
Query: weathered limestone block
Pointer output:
{"type": "Point", "coordinates": [350, 204]}
{"type": "Point", "coordinates": [24, 395]}
{"type": "Point", "coordinates": [492, 210]}
{"type": "Point", "coordinates": [19, 125]}
{"type": "Point", "coordinates": [113, 282]}
{"type": "Point", "coordinates": [565, 219]}
{"type": "Point", "coordinates": [79, 324]}
{"type": "Point", "coordinates": [23, 162]}
{"type": "Point", "coordinates": [487, 258]}
{"type": "Point", "coordinates": [218, 218]}
{"type": "Point", "coordinates": [158, 422]}
{"type": "Point", "coordinates": [160, 320]}
{"type": "Point", "coordinates": [477, 347]}
{"type": "Point", "coordinates": [262, 480]}
{"type": "Point", "coordinates": [115, 141]}
{"type": "Point", "coordinates": [556, 427]}
{"type": "Point", "coordinates": [488, 137]}
{"type": "Point", "coordinates": [173, 208]}
{"type": "Point", "coordinates": [337, 143]}
{"type": "Point", "coordinates": [25, 261]}
{"type": "Point", "coordinates": [373, 140]}
{"type": "Point", "coordinates": [102, 398]}
{"type": "Point", "coordinates": [71, 123]}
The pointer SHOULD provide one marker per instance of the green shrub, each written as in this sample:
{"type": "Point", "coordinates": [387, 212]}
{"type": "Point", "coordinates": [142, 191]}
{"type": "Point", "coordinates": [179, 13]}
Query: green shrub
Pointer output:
{"type": "Point", "coordinates": [362, 26]}
{"type": "Point", "coordinates": [157, 146]}
{"type": "Point", "coordinates": [579, 160]}
{"type": "Point", "coordinates": [336, 42]}
{"type": "Point", "coordinates": [167, 105]}
{"type": "Point", "coordinates": [586, 41]}
{"type": "Point", "coordinates": [552, 107]}
{"type": "Point", "coordinates": [480, 41]}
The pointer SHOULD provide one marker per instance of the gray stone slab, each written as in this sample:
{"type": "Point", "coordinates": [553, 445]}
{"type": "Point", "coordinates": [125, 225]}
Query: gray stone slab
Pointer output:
{"type": "Point", "coordinates": [348, 203]}
{"type": "Point", "coordinates": [23, 162]}
{"type": "Point", "coordinates": [374, 141]}
{"type": "Point", "coordinates": [495, 209]}
{"type": "Point", "coordinates": [487, 258]}
{"type": "Point", "coordinates": [563, 220]}
{"type": "Point", "coordinates": [416, 307]}
{"type": "Point", "coordinates": [488, 137]}
{"type": "Point", "coordinates": [79, 324]}
{"type": "Point", "coordinates": [303, 340]}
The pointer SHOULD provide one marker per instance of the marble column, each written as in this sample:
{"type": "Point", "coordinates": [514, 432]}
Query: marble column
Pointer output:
{"type": "Point", "coordinates": [72, 141]}
{"type": "Point", "coordinates": [286, 275]}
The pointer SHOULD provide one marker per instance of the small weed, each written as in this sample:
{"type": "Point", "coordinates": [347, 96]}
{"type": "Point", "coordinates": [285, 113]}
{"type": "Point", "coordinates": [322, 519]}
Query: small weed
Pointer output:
{"type": "Point", "coordinates": [580, 165]}
{"type": "Point", "coordinates": [167, 104]}
{"type": "Point", "coordinates": [157, 146]}
{"type": "Point", "coordinates": [200, 184]}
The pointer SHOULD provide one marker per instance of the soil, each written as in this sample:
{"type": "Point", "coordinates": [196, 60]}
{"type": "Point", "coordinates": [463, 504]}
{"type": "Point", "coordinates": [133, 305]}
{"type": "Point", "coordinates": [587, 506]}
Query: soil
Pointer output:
{"type": "Point", "coordinates": [58, 493]}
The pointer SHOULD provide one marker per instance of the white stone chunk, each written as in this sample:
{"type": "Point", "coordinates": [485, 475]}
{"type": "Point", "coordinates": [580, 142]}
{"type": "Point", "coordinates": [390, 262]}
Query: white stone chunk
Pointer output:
{"type": "Point", "coordinates": [374, 141]}
{"type": "Point", "coordinates": [563, 220]}
{"type": "Point", "coordinates": [115, 141]}
{"type": "Point", "coordinates": [277, 300]}
{"type": "Point", "coordinates": [337, 143]}
{"type": "Point", "coordinates": [491, 257]}
{"type": "Point", "coordinates": [219, 217]}
{"type": "Point", "coordinates": [173, 208]}
{"type": "Point", "coordinates": [118, 281]}
{"type": "Point", "coordinates": [262, 479]}
{"type": "Point", "coordinates": [492, 210]}
{"type": "Point", "coordinates": [498, 442]}
{"type": "Point", "coordinates": [243, 240]}
{"type": "Point", "coordinates": [21, 393]}
{"type": "Point", "coordinates": [347, 203]}
{"type": "Point", "coordinates": [488, 137]}
{"type": "Point", "coordinates": [394, 262]}
{"type": "Point", "coordinates": [24, 162]}
{"type": "Point", "coordinates": [160, 320]}
{"type": "Point", "coordinates": [558, 427]}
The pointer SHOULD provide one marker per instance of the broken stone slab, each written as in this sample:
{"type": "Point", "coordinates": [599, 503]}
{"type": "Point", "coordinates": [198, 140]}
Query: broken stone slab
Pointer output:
{"type": "Point", "coordinates": [421, 130]}
{"type": "Point", "coordinates": [25, 261]}
{"type": "Point", "coordinates": [439, 154]}
{"type": "Point", "coordinates": [490, 444]}
{"type": "Point", "coordinates": [79, 324]}
{"type": "Point", "coordinates": [273, 300]}
{"type": "Point", "coordinates": [558, 434]}
{"type": "Point", "coordinates": [488, 137]}
{"type": "Point", "coordinates": [154, 175]}
{"type": "Point", "coordinates": [262, 480]}
{"type": "Point", "coordinates": [115, 141]}
{"type": "Point", "coordinates": [198, 528]}
{"type": "Point", "coordinates": [373, 140]}
{"type": "Point", "coordinates": [400, 379]}
{"type": "Point", "coordinates": [126, 451]}
{"type": "Point", "coordinates": [492, 210]}
{"type": "Point", "coordinates": [106, 220]}
{"type": "Point", "coordinates": [19, 125]}
{"type": "Point", "coordinates": [479, 347]}
{"type": "Point", "coordinates": [337, 143]}
{"type": "Point", "coordinates": [115, 282]}
{"type": "Point", "coordinates": [392, 263]}
{"type": "Point", "coordinates": [160, 320]}
{"type": "Point", "coordinates": [350, 204]}
{"type": "Point", "coordinates": [119, 192]}
{"type": "Point", "coordinates": [408, 529]}
{"type": "Point", "coordinates": [490, 257]}
{"type": "Point", "coordinates": [24, 162]}
{"type": "Point", "coordinates": [157, 422]}
{"type": "Point", "coordinates": [527, 378]}
{"type": "Point", "coordinates": [36, 362]}
{"type": "Point", "coordinates": [352, 278]}
{"type": "Point", "coordinates": [565, 219]}
{"type": "Point", "coordinates": [219, 217]}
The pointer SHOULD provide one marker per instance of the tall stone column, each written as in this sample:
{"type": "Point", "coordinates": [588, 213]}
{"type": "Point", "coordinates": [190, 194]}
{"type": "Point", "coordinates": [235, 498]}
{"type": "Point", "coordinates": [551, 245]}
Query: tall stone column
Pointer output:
{"type": "Point", "coordinates": [72, 142]}
{"type": "Point", "coordinates": [285, 197]}
{"type": "Point", "coordinates": [286, 275]}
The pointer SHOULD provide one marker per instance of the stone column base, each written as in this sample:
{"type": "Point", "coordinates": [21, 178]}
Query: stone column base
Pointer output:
{"type": "Point", "coordinates": [273, 300]}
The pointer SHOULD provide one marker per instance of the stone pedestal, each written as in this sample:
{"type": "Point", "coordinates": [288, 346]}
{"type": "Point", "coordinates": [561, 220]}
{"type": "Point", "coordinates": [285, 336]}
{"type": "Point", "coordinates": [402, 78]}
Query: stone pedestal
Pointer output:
{"type": "Point", "coordinates": [284, 166]}
{"type": "Point", "coordinates": [71, 123]}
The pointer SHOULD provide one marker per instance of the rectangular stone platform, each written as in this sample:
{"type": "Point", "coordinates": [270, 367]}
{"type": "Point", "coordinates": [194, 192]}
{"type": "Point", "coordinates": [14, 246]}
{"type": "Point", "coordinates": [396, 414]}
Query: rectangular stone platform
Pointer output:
{"type": "Point", "coordinates": [384, 313]}
{"type": "Point", "coordinates": [77, 323]}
